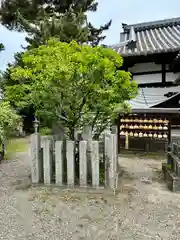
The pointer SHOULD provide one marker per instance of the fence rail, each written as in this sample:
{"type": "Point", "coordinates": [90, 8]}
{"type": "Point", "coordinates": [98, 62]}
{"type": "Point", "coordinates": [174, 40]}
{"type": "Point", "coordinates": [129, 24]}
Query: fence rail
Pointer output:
{"type": "Point", "coordinates": [66, 163]}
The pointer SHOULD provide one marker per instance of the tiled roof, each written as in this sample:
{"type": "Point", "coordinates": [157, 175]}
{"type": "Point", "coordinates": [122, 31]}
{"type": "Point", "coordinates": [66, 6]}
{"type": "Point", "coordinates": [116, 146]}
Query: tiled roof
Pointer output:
{"type": "Point", "coordinates": [150, 97]}
{"type": "Point", "coordinates": [150, 37]}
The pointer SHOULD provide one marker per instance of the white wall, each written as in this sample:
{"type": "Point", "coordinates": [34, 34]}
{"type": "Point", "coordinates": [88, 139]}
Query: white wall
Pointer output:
{"type": "Point", "coordinates": [170, 77]}
{"type": "Point", "coordinates": [151, 78]}
{"type": "Point", "coordinates": [148, 78]}
{"type": "Point", "coordinates": [145, 67]}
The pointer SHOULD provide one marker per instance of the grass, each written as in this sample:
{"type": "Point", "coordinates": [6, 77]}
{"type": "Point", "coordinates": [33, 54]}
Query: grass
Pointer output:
{"type": "Point", "coordinates": [15, 146]}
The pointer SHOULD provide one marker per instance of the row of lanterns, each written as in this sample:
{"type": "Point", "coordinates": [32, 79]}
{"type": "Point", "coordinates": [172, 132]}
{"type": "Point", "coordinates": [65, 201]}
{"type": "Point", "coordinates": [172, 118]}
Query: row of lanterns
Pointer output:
{"type": "Point", "coordinates": [165, 121]}
{"type": "Point", "coordinates": [151, 135]}
{"type": "Point", "coordinates": [160, 127]}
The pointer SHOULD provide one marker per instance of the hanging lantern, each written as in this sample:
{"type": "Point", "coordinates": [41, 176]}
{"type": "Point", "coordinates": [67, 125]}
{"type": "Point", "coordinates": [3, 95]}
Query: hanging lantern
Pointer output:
{"type": "Point", "coordinates": [155, 120]}
{"type": "Point", "coordinates": [145, 120]}
{"type": "Point", "coordinates": [155, 127]}
{"type": "Point", "coordinates": [145, 127]}
{"type": "Point", "coordinates": [122, 133]}
{"type": "Point", "coordinates": [165, 128]}
{"type": "Point", "coordinates": [131, 134]}
{"type": "Point", "coordinates": [150, 120]}
{"type": "Point", "coordinates": [122, 126]}
{"type": "Point", "coordinates": [150, 135]}
{"type": "Point", "coordinates": [136, 134]}
{"type": "Point", "coordinates": [136, 126]}
{"type": "Point", "coordinates": [165, 121]}
{"type": "Point", "coordinates": [160, 136]}
{"type": "Point", "coordinates": [165, 135]}
{"type": "Point", "coordinates": [131, 126]}
{"type": "Point", "coordinates": [140, 134]}
{"type": "Point", "coordinates": [155, 135]}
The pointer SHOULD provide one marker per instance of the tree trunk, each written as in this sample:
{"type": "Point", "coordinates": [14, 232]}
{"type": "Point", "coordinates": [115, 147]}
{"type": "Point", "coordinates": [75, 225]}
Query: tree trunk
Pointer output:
{"type": "Point", "coordinates": [71, 135]}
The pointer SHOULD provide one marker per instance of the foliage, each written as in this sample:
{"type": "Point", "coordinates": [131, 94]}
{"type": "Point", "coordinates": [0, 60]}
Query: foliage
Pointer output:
{"type": "Point", "coordinates": [45, 131]}
{"type": "Point", "coordinates": [9, 120]}
{"type": "Point", "coordinates": [71, 85]}
{"type": "Point", "coordinates": [1, 47]}
{"type": "Point", "coordinates": [5, 77]}
{"type": "Point", "coordinates": [15, 146]}
{"type": "Point", "coordinates": [67, 27]}
{"type": "Point", "coordinates": [39, 13]}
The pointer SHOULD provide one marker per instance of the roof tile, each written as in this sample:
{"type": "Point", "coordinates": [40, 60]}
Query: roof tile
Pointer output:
{"type": "Point", "coordinates": [152, 37]}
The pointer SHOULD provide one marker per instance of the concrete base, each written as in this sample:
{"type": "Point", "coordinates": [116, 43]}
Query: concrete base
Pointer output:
{"type": "Point", "coordinates": [173, 182]}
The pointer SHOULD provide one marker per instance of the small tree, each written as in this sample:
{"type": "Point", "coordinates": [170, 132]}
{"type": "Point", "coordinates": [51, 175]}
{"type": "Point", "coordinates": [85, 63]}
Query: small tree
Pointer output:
{"type": "Point", "coordinates": [71, 85]}
{"type": "Point", "coordinates": [9, 121]}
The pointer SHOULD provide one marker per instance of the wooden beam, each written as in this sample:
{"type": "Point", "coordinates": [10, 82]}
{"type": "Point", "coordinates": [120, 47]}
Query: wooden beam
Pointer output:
{"type": "Point", "coordinates": [151, 72]}
{"type": "Point", "coordinates": [163, 72]}
{"type": "Point", "coordinates": [169, 131]}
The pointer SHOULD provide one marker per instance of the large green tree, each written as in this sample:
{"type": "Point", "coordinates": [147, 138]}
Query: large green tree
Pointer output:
{"type": "Point", "coordinates": [36, 11]}
{"type": "Point", "coordinates": [71, 85]}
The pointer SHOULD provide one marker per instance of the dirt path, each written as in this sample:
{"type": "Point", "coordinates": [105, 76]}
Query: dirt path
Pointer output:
{"type": "Point", "coordinates": [143, 208]}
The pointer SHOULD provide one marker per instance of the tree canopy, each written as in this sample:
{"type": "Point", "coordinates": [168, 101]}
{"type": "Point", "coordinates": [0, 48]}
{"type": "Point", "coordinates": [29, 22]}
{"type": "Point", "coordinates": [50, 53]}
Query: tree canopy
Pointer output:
{"type": "Point", "coordinates": [48, 17]}
{"type": "Point", "coordinates": [70, 84]}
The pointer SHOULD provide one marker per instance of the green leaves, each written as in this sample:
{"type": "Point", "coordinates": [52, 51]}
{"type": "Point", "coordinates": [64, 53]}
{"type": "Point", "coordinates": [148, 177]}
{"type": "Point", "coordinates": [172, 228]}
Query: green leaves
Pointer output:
{"type": "Point", "coordinates": [9, 120]}
{"type": "Point", "coordinates": [66, 83]}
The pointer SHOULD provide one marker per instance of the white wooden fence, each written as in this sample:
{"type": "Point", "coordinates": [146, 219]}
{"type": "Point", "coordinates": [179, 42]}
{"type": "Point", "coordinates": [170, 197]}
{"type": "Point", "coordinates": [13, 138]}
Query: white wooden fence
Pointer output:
{"type": "Point", "coordinates": [45, 154]}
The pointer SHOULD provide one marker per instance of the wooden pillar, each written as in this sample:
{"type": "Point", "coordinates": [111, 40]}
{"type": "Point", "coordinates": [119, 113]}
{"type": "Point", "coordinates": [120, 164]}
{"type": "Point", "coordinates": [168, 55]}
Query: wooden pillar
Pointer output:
{"type": "Point", "coordinates": [169, 131]}
{"type": "Point", "coordinates": [163, 73]}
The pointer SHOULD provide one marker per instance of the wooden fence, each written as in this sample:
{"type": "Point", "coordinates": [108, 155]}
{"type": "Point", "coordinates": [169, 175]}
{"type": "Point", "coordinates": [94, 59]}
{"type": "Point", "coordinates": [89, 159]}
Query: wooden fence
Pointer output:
{"type": "Point", "coordinates": [65, 163]}
{"type": "Point", "coordinates": [171, 169]}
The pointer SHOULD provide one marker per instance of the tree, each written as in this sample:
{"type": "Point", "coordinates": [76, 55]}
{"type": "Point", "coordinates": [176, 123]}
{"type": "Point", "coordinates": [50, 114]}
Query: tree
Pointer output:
{"type": "Point", "coordinates": [67, 27]}
{"type": "Point", "coordinates": [36, 11]}
{"type": "Point", "coordinates": [1, 47]}
{"type": "Point", "coordinates": [9, 120]}
{"type": "Point", "coordinates": [71, 85]}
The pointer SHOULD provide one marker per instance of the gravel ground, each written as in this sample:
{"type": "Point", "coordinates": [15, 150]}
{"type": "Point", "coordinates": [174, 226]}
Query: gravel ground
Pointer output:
{"type": "Point", "coordinates": [142, 209]}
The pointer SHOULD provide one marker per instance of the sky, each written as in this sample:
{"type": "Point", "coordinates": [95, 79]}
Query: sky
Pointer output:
{"type": "Point", "coordinates": [127, 11]}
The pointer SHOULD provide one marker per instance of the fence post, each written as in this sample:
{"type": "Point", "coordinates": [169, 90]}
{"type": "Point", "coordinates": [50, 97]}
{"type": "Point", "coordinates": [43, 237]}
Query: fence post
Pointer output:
{"type": "Point", "coordinates": [70, 163]}
{"type": "Point", "coordinates": [87, 136]}
{"type": "Point", "coordinates": [112, 159]}
{"type": "Point", "coordinates": [36, 169]}
{"type": "Point", "coordinates": [59, 162]}
{"type": "Point", "coordinates": [47, 157]}
{"type": "Point", "coordinates": [83, 163]}
{"type": "Point", "coordinates": [106, 158]}
{"type": "Point", "coordinates": [95, 164]}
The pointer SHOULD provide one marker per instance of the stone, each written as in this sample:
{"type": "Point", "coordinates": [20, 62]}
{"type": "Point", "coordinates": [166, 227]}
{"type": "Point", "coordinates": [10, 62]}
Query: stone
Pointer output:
{"type": "Point", "coordinates": [114, 129]}
{"type": "Point", "coordinates": [36, 169]}
{"type": "Point", "coordinates": [106, 157]}
{"type": "Point", "coordinates": [87, 136]}
{"type": "Point", "coordinates": [47, 157]}
{"type": "Point", "coordinates": [172, 180]}
{"type": "Point", "coordinates": [95, 164]}
{"type": "Point", "coordinates": [83, 163]}
{"type": "Point", "coordinates": [70, 147]}
{"type": "Point", "coordinates": [59, 163]}
{"type": "Point", "coordinates": [111, 159]}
